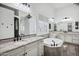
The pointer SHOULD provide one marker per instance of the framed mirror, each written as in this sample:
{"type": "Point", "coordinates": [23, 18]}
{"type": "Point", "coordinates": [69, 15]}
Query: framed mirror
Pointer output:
{"type": "Point", "coordinates": [76, 25]}
{"type": "Point", "coordinates": [24, 26]}
{"type": "Point", "coordinates": [69, 27]}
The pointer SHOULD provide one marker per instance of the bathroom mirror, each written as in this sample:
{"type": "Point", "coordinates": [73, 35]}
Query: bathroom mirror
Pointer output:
{"type": "Point", "coordinates": [49, 26]}
{"type": "Point", "coordinates": [55, 27]}
{"type": "Point", "coordinates": [69, 27]}
{"type": "Point", "coordinates": [24, 26]}
{"type": "Point", "coordinates": [76, 25]}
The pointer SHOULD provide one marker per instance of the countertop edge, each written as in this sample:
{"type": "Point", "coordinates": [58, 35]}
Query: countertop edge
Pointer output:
{"type": "Point", "coordinates": [20, 46]}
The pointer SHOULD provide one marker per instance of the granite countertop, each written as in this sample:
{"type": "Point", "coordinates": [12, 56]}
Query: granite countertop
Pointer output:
{"type": "Point", "coordinates": [70, 33]}
{"type": "Point", "coordinates": [13, 45]}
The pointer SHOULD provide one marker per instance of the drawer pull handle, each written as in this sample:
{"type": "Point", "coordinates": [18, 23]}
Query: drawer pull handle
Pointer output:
{"type": "Point", "coordinates": [24, 54]}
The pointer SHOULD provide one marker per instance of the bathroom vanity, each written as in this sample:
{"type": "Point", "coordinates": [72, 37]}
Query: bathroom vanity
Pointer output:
{"type": "Point", "coordinates": [14, 24]}
{"type": "Point", "coordinates": [26, 47]}
{"type": "Point", "coordinates": [69, 37]}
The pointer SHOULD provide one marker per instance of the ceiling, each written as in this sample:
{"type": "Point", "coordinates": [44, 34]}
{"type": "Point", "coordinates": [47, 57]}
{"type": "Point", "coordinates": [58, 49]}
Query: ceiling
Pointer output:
{"type": "Point", "coordinates": [55, 5]}
{"type": "Point", "coordinates": [60, 5]}
{"type": "Point", "coordinates": [47, 9]}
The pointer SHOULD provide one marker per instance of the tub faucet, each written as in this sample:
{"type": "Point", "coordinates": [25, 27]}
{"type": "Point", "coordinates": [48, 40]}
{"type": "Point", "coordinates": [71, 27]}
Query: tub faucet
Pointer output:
{"type": "Point", "coordinates": [53, 42]}
{"type": "Point", "coordinates": [21, 36]}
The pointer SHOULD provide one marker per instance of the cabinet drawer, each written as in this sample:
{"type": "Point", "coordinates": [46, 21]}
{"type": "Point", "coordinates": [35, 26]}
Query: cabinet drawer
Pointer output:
{"type": "Point", "coordinates": [68, 38]}
{"type": "Point", "coordinates": [30, 46]}
{"type": "Point", "coordinates": [75, 37]}
{"type": "Point", "coordinates": [15, 52]}
{"type": "Point", "coordinates": [76, 41]}
{"type": "Point", "coordinates": [33, 51]}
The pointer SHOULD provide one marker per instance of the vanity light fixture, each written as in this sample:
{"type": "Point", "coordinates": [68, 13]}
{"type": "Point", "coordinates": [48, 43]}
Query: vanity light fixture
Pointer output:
{"type": "Point", "coordinates": [26, 4]}
{"type": "Point", "coordinates": [28, 10]}
{"type": "Point", "coordinates": [23, 7]}
{"type": "Point", "coordinates": [28, 16]}
{"type": "Point", "coordinates": [51, 20]}
{"type": "Point", "coordinates": [66, 19]}
{"type": "Point", "coordinates": [2, 23]}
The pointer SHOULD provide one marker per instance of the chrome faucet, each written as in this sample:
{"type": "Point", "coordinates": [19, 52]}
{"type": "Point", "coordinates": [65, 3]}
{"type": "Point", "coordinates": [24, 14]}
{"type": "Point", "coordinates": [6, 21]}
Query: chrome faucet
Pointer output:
{"type": "Point", "coordinates": [53, 42]}
{"type": "Point", "coordinates": [21, 36]}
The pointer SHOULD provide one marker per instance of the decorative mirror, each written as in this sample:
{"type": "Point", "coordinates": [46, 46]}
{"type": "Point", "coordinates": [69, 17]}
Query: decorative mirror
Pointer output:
{"type": "Point", "coordinates": [69, 27]}
{"type": "Point", "coordinates": [76, 25]}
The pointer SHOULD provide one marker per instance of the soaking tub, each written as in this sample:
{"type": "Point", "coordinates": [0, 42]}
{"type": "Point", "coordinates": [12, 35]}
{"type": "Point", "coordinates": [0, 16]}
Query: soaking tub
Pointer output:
{"type": "Point", "coordinates": [53, 42]}
{"type": "Point", "coordinates": [53, 47]}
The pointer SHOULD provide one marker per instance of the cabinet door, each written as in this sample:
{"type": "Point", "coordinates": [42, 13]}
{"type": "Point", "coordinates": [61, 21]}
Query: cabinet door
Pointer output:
{"type": "Point", "coordinates": [61, 36]}
{"type": "Point", "coordinates": [41, 48]}
{"type": "Point", "coordinates": [76, 39]}
{"type": "Point", "coordinates": [31, 49]}
{"type": "Point", "coordinates": [32, 52]}
{"type": "Point", "coordinates": [68, 38]}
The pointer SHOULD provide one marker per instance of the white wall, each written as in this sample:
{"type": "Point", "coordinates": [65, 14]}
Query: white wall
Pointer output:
{"type": "Point", "coordinates": [71, 11]}
{"type": "Point", "coordinates": [42, 26]}
{"type": "Point", "coordinates": [32, 21]}
{"type": "Point", "coordinates": [36, 9]}
{"type": "Point", "coordinates": [44, 9]}
{"type": "Point", "coordinates": [6, 17]}
{"type": "Point", "coordinates": [24, 23]}
{"type": "Point", "coordinates": [41, 12]}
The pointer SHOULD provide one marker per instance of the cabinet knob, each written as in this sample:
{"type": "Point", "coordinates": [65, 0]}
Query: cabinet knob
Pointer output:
{"type": "Point", "coordinates": [26, 53]}
{"type": "Point", "coordinates": [23, 54]}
